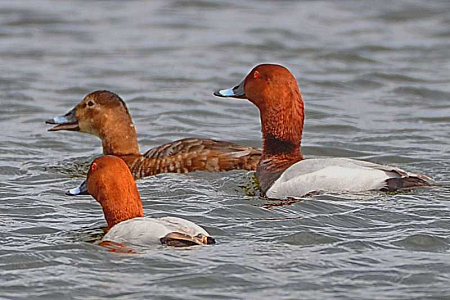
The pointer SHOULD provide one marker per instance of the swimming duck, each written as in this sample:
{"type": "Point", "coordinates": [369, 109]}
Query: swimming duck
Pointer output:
{"type": "Point", "coordinates": [111, 183]}
{"type": "Point", "coordinates": [105, 115]}
{"type": "Point", "coordinates": [282, 172]}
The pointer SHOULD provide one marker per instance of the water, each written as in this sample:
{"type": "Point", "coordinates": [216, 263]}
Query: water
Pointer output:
{"type": "Point", "coordinates": [375, 79]}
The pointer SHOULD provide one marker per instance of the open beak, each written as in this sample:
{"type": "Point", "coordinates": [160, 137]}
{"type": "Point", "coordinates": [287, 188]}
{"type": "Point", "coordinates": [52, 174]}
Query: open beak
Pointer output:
{"type": "Point", "coordinates": [67, 122]}
{"type": "Point", "coordinates": [79, 190]}
{"type": "Point", "coordinates": [236, 92]}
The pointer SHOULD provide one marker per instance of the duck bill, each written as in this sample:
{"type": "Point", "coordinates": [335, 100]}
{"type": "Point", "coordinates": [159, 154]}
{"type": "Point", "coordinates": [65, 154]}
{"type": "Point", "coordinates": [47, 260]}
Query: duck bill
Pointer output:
{"type": "Point", "coordinates": [68, 121]}
{"type": "Point", "coordinates": [236, 92]}
{"type": "Point", "coordinates": [79, 190]}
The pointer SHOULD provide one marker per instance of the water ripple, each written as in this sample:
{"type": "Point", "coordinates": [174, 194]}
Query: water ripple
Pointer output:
{"type": "Point", "coordinates": [375, 83]}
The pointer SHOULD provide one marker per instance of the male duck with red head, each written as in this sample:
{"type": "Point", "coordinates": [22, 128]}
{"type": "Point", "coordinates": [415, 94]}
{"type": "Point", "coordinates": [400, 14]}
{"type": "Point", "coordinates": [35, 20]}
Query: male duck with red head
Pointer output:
{"type": "Point", "coordinates": [110, 182]}
{"type": "Point", "coordinates": [282, 172]}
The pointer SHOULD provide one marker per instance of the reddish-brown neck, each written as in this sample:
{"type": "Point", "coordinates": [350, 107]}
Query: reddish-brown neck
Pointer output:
{"type": "Point", "coordinates": [119, 138]}
{"type": "Point", "coordinates": [120, 203]}
{"type": "Point", "coordinates": [282, 125]}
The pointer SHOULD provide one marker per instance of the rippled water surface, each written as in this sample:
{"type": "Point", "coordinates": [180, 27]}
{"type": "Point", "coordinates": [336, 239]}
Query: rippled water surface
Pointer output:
{"type": "Point", "coordinates": [375, 79]}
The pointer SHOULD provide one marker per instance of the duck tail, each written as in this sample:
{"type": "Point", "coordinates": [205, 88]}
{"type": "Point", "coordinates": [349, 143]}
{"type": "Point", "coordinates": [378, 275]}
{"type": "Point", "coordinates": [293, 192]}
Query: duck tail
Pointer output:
{"type": "Point", "coordinates": [178, 239]}
{"type": "Point", "coordinates": [245, 159]}
{"type": "Point", "coordinates": [411, 182]}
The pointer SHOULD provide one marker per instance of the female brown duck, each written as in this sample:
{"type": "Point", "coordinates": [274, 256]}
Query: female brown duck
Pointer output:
{"type": "Point", "coordinates": [104, 114]}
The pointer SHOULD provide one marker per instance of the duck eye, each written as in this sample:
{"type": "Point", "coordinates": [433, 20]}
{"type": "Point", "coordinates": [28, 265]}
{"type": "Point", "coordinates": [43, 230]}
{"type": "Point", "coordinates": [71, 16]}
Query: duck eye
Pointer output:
{"type": "Point", "coordinates": [256, 74]}
{"type": "Point", "coordinates": [90, 103]}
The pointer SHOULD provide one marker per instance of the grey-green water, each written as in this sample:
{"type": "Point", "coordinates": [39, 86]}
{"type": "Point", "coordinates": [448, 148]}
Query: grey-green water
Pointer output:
{"type": "Point", "coordinates": [375, 79]}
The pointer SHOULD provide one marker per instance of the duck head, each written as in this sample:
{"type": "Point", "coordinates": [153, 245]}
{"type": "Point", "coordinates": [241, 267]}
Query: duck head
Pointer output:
{"type": "Point", "coordinates": [103, 114]}
{"type": "Point", "coordinates": [274, 90]}
{"type": "Point", "coordinates": [110, 182]}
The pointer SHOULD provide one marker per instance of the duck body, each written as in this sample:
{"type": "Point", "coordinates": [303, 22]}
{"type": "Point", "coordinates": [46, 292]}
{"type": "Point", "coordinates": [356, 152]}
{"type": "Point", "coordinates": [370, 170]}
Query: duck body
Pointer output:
{"type": "Point", "coordinates": [339, 175]}
{"type": "Point", "coordinates": [282, 171]}
{"type": "Point", "coordinates": [193, 154]}
{"type": "Point", "coordinates": [105, 115]}
{"type": "Point", "coordinates": [165, 230]}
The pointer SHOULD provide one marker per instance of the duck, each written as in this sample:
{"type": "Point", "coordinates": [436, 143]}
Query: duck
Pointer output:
{"type": "Point", "coordinates": [105, 115]}
{"type": "Point", "coordinates": [110, 182]}
{"type": "Point", "coordinates": [282, 172]}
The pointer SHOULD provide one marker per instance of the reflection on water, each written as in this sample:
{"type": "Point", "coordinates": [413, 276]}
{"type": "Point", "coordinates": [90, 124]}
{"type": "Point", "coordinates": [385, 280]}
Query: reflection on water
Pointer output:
{"type": "Point", "coordinates": [374, 76]}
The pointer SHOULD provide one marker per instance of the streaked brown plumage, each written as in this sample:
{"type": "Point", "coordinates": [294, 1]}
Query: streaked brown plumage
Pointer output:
{"type": "Point", "coordinates": [104, 114]}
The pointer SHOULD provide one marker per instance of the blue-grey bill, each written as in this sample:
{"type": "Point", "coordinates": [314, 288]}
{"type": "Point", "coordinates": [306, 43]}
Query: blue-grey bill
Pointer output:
{"type": "Point", "coordinates": [236, 92]}
{"type": "Point", "coordinates": [79, 190]}
{"type": "Point", "coordinates": [68, 121]}
{"type": "Point", "coordinates": [60, 120]}
{"type": "Point", "coordinates": [224, 93]}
